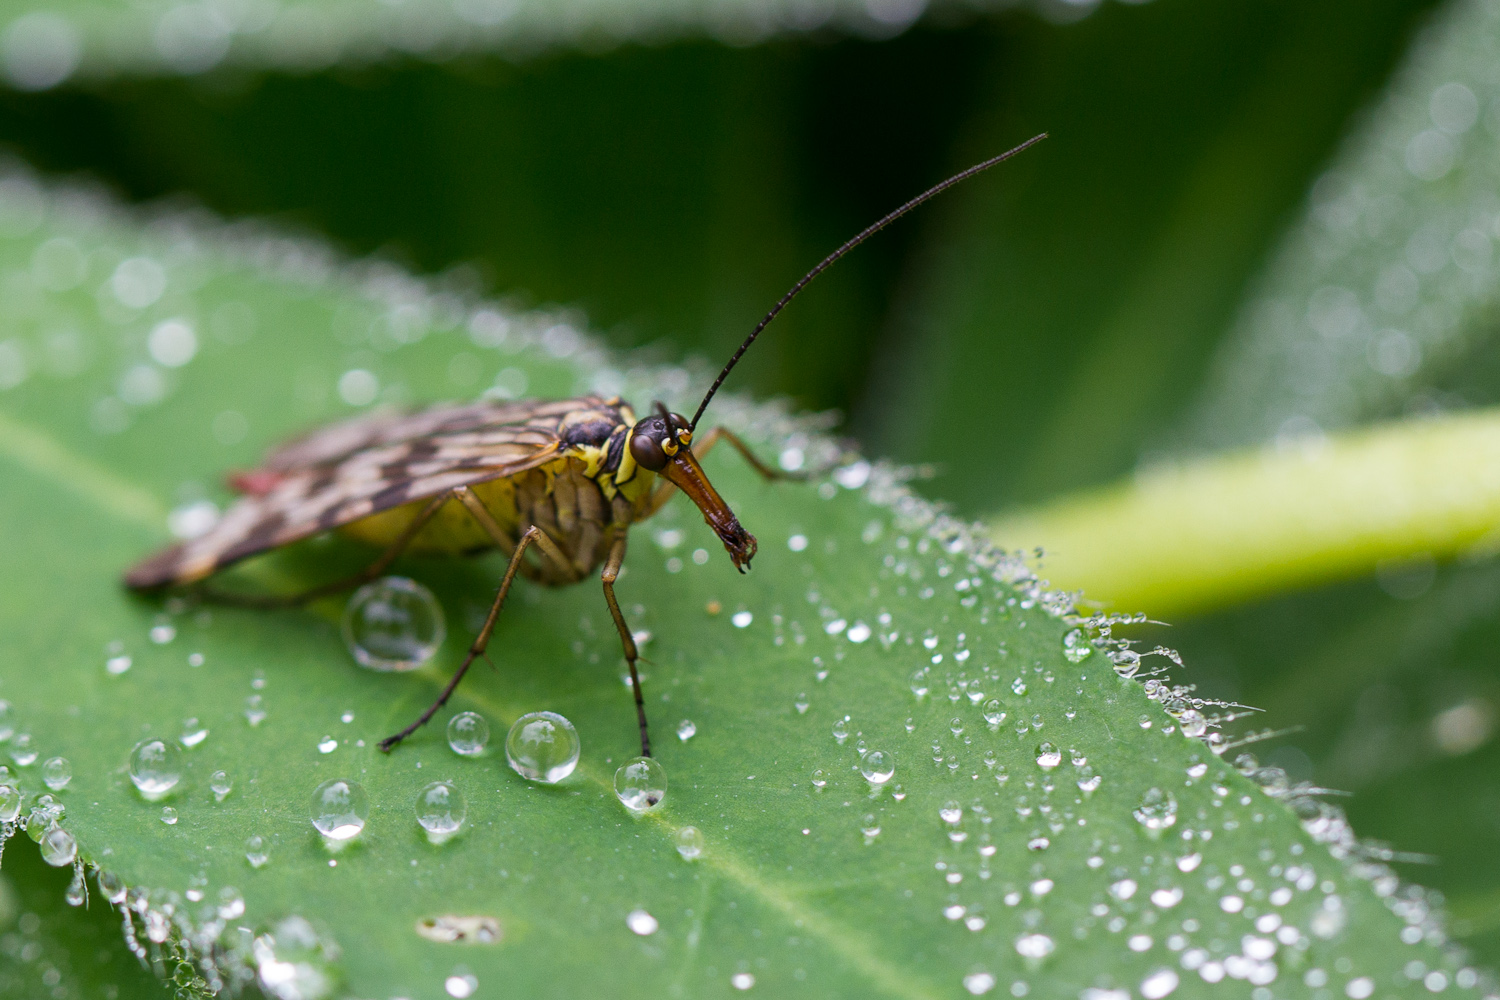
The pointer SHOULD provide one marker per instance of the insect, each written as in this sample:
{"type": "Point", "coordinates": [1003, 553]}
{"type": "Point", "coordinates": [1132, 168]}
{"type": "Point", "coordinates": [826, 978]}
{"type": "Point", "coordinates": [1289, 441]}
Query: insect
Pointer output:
{"type": "Point", "coordinates": [554, 485]}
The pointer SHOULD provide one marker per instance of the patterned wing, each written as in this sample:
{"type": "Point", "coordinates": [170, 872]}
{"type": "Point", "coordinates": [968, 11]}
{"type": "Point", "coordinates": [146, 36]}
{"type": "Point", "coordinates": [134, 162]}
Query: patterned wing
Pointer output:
{"type": "Point", "coordinates": [347, 471]}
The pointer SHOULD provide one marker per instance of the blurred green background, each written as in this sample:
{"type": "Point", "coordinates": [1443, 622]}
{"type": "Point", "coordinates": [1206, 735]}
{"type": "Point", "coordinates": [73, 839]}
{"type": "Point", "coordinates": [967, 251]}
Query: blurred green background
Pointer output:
{"type": "Point", "coordinates": [1044, 329]}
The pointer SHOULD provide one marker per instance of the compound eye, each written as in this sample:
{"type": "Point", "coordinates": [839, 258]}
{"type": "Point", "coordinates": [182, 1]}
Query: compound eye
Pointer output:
{"type": "Point", "coordinates": [647, 453]}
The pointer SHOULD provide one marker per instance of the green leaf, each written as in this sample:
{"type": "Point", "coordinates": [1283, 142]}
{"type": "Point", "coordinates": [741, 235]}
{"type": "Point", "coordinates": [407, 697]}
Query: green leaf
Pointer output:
{"type": "Point", "coordinates": [1207, 534]}
{"type": "Point", "coordinates": [1098, 848]}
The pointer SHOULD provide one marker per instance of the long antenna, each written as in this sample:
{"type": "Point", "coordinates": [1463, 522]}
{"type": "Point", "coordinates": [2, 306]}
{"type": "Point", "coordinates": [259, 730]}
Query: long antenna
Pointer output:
{"type": "Point", "coordinates": [863, 235]}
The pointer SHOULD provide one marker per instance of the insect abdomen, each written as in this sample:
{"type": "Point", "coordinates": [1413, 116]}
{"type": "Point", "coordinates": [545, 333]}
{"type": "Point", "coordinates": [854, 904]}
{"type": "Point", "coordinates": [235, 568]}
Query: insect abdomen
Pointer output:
{"type": "Point", "coordinates": [452, 531]}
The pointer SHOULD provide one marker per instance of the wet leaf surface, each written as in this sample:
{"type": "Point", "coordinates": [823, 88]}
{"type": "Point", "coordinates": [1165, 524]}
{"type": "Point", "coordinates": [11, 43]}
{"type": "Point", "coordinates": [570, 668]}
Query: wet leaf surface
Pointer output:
{"type": "Point", "coordinates": [1078, 843]}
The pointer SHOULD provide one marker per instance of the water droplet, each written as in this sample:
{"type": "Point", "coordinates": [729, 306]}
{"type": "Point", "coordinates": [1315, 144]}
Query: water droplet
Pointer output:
{"type": "Point", "coordinates": [858, 632]}
{"type": "Point", "coordinates": [231, 903]}
{"type": "Point", "coordinates": [393, 624]}
{"type": "Point", "coordinates": [1157, 811]}
{"type": "Point", "coordinates": [1038, 844]}
{"type": "Point", "coordinates": [7, 724]}
{"type": "Point", "coordinates": [801, 703]}
{"type": "Point", "coordinates": [155, 768]}
{"type": "Point", "coordinates": [58, 847]}
{"type": "Point", "coordinates": [1048, 756]}
{"type": "Point", "coordinates": [257, 851]}
{"type": "Point", "coordinates": [192, 733]}
{"type": "Point", "coordinates": [1158, 984]}
{"type": "Point", "coordinates": [877, 766]}
{"type": "Point", "coordinates": [1076, 646]}
{"type": "Point", "coordinates": [255, 712]}
{"type": "Point", "coordinates": [686, 729]}
{"type": "Point", "coordinates": [641, 784]}
{"type": "Point", "coordinates": [57, 772]}
{"type": "Point", "coordinates": [1123, 889]}
{"type": "Point", "coordinates": [979, 983]}
{"type": "Point", "coordinates": [742, 619]}
{"type": "Point", "coordinates": [468, 734]}
{"type": "Point", "coordinates": [1189, 862]}
{"type": "Point", "coordinates": [460, 985]}
{"type": "Point", "coordinates": [111, 885]}
{"type": "Point", "coordinates": [117, 665]}
{"type": "Point", "coordinates": [1018, 685]}
{"type": "Point", "coordinates": [1193, 723]}
{"type": "Point", "coordinates": [870, 827]}
{"type": "Point", "coordinates": [919, 683]}
{"type": "Point", "coordinates": [797, 543]}
{"type": "Point", "coordinates": [338, 809]}
{"type": "Point", "coordinates": [640, 922]}
{"type": "Point", "coordinates": [169, 815]}
{"type": "Point", "coordinates": [841, 729]}
{"type": "Point", "coordinates": [1036, 946]}
{"type": "Point", "coordinates": [163, 634]}
{"type": "Point", "coordinates": [993, 713]}
{"type": "Point", "coordinates": [542, 746]}
{"type": "Point", "coordinates": [951, 812]}
{"type": "Point", "coordinates": [441, 810]}
{"type": "Point", "coordinates": [221, 785]}
{"type": "Point", "coordinates": [819, 778]}
{"type": "Point", "coordinates": [1088, 781]}
{"type": "Point", "coordinates": [23, 750]}
{"type": "Point", "coordinates": [10, 803]}
{"type": "Point", "coordinates": [689, 841]}
{"type": "Point", "coordinates": [742, 980]}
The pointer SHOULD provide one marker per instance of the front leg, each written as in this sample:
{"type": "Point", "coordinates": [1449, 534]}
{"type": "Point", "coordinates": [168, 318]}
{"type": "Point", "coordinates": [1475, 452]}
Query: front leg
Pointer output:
{"type": "Point", "coordinates": [627, 641]}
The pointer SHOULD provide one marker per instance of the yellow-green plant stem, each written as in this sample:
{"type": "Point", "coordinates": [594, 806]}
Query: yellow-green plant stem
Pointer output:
{"type": "Point", "coordinates": [1203, 534]}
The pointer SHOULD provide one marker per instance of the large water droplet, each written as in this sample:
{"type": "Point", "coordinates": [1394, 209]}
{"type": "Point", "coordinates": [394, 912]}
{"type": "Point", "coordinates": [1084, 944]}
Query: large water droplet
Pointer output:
{"type": "Point", "coordinates": [57, 772]}
{"type": "Point", "coordinates": [1048, 756]}
{"type": "Point", "coordinates": [689, 841]}
{"type": "Point", "coordinates": [877, 766]}
{"type": "Point", "coordinates": [1018, 685]}
{"type": "Point", "coordinates": [441, 810]}
{"type": "Point", "coordinates": [542, 746]}
{"type": "Point", "coordinates": [641, 784]}
{"type": "Point", "coordinates": [58, 847]}
{"type": "Point", "coordinates": [338, 809]}
{"type": "Point", "coordinates": [686, 729]}
{"type": "Point", "coordinates": [468, 734]}
{"type": "Point", "coordinates": [393, 624]}
{"type": "Point", "coordinates": [1158, 809]}
{"type": "Point", "coordinates": [155, 768]}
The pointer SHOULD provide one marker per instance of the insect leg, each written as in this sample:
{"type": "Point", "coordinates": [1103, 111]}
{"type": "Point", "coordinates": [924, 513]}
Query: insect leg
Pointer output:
{"type": "Point", "coordinates": [517, 550]}
{"type": "Point", "coordinates": [713, 437]}
{"type": "Point", "coordinates": [611, 573]}
{"type": "Point", "coordinates": [532, 536]}
{"type": "Point", "coordinates": [370, 572]}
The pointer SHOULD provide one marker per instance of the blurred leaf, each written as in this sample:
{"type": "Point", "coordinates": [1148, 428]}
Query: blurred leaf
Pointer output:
{"type": "Point", "coordinates": [1054, 317]}
{"type": "Point", "coordinates": [1381, 300]}
{"type": "Point", "coordinates": [967, 882]}
{"type": "Point", "coordinates": [43, 44]}
{"type": "Point", "coordinates": [1184, 538]}
{"type": "Point", "coordinates": [50, 949]}
{"type": "Point", "coordinates": [670, 192]}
